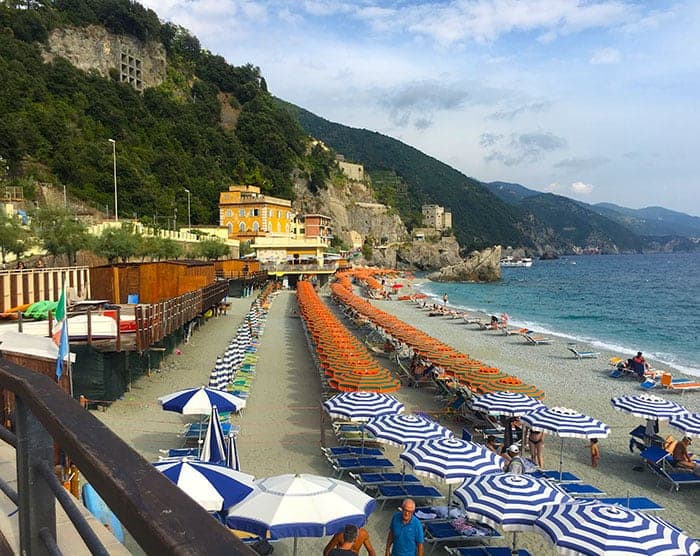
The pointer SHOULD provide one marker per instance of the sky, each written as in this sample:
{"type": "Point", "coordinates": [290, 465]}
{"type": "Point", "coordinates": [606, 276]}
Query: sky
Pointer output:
{"type": "Point", "coordinates": [592, 99]}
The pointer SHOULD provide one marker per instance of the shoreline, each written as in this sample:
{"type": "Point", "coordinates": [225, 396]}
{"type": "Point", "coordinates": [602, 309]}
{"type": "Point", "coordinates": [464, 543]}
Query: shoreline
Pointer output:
{"type": "Point", "coordinates": [588, 344]}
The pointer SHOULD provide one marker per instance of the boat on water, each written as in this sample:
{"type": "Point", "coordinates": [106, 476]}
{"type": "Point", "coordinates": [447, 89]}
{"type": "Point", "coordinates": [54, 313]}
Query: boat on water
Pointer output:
{"type": "Point", "coordinates": [516, 262]}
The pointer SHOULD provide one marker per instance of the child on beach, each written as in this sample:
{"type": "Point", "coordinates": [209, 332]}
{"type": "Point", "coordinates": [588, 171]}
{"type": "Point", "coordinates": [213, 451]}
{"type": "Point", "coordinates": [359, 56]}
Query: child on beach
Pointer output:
{"type": "Point", "coordinates": [595, 452]}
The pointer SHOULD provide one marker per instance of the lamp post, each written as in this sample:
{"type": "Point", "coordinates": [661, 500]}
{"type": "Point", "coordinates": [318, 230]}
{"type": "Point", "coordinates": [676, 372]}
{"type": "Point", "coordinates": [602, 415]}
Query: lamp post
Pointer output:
{"type": "Point", "coordinates": [114, 158]}
{"type": "Point", "coordinates": [189, 216]}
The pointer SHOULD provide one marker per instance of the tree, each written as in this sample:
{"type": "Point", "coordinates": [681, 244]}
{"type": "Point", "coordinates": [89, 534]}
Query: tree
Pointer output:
{"type": "Point", "coordinates": [118, 243]}
{"type": "Point", "coordinates": [212, 249]}
{"type": "Point", "coordinates": [13, 237]}
{"type": "Point", "coordinates": [59, 232]}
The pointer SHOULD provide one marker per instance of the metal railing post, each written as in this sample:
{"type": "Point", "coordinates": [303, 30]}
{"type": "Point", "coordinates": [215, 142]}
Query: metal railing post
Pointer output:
{"type": "Point", "coordinates": [36, 501]}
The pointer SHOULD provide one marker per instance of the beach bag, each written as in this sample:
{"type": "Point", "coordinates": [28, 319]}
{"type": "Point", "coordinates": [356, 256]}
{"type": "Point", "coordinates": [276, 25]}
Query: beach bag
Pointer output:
{"type": "Point", "coordinates": [262, 547]}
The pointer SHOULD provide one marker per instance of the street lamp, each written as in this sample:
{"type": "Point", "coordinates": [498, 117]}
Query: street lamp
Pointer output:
{"type": "Point", "coordinates": [189, 216]}
{"type": "Point", "coordinates": [114, 158]}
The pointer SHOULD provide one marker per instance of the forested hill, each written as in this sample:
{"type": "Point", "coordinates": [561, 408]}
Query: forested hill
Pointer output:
{"type": "Point", "coordinates": [56, 120]}
{"type": "Point", "coordinates": [479, 217]}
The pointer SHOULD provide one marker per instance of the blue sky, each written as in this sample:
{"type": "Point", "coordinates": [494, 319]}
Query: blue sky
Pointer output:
{"type": "Point", "coordinates": [595, 100]}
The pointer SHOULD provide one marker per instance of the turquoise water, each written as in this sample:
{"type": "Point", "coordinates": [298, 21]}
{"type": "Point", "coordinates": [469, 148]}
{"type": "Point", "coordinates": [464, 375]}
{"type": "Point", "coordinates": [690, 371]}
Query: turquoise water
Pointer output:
{"type": "Point", "coordinates": [626, 303]}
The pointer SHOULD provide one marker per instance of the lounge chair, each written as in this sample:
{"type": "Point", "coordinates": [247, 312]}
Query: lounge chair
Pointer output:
{"type": "Point", "coordinates": [678, 384]}
{"type": "Point", "coordinates": [351, 451]}
{"type": "Point", "coordinates": [536, 340]}
{"type": "Point", "coordinates": [583, 354]}
{"type": "Point", "coordinates": [445, 532]}
{"type": "Point", "coordinates": [581, 489]}
{"type": "Point", "coordinates": [674, 478]}
{"type": "Point", "coordinates": [485, 551]}
{"type": "Point", "coordinates": [637, 503]}
{"type": "Point", "coordinates": [640, 440]}
{"type": "Point", "coordinates": [400, 492]}
{"type": "Point", "coordinates": [343, 465]}
{"type": "Point", "coordinates": [557, 476]}
{"type": "Point", "coordinates": [373, 480]}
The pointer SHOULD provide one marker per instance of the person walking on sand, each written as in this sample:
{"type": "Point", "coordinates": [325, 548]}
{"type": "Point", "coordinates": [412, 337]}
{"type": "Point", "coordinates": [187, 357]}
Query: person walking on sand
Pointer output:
{"type": "Point", "coordinates": [536, 443]}
{"type": "Point", "coordinates": [444, 299]}
{"type": "Point", "coordinates": [405, 532]}
{"type": "Point", "coordinates": [361, 539]}
{"type": "Point", "coordinates": [595, 452]}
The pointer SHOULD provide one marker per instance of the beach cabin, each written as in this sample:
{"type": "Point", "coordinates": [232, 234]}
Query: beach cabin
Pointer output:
{"type": "Point", "coordinates": [150, 282]}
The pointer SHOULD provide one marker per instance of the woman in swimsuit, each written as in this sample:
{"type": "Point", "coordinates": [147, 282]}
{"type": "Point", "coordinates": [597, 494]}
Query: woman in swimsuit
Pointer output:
{"type": "Point", "coordinates": [536, 443]}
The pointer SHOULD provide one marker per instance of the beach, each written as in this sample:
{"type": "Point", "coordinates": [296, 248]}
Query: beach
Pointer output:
{"type": "Point", "coordinates": [281, 428]}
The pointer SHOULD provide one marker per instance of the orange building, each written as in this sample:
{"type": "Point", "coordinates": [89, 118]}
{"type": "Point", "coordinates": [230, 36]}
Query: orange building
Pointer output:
{"type": "Point", "coordinates": [318, 226]}
{"type": "Point", "coordinates": [248, 214]}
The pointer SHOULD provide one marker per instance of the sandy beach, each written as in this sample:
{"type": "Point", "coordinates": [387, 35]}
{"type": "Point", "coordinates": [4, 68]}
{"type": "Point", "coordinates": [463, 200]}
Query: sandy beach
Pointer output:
{"type": "Point", "coordinates": [281, 425]}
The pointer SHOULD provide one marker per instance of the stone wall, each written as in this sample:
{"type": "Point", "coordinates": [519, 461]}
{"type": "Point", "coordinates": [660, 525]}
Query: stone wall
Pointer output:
{"type": "Point", "coordinates": [94, 48]}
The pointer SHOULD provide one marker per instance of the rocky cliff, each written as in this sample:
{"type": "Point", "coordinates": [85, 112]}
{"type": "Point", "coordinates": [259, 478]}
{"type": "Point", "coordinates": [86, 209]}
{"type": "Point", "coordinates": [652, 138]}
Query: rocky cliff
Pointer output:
{"type": "Point", "coordinates": [479, 266]}
{"type": "Point", "coordinates": [94, 48]}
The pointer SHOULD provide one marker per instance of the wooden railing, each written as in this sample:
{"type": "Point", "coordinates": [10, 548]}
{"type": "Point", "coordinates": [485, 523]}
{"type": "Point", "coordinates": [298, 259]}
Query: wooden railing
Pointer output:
{"type": "Point", "coordinates": [159, 516]}
{"type": "Point", "coordinates": [157, 320]}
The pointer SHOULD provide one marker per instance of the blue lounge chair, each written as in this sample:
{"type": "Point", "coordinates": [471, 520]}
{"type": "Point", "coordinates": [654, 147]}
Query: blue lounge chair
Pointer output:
{"type": "Point", "coordinates": [583, 354]}
{"type": "Point", "coordinates": [485, 551]}
{"type": "Point", "coordinates": [374, 480]}
{"type": "Point", "coordinates": [444, 532]}
{"type": "Point", "coordinates": [675, 479]}
{"type": "Point", "coordinates": [638, 503]}
{"type": "Point", "coordinates": [195, 431]}
{"type": "Point", "coordinates": [581, 489]}
{"type": "Point", "coordinates": [558, 476]}
{"type": "Point", "coordinates": [399, 492]}
{"type": "Point", "coordinates": [351, 451]}
{"type": "Point", "coordinates": [344, 465]}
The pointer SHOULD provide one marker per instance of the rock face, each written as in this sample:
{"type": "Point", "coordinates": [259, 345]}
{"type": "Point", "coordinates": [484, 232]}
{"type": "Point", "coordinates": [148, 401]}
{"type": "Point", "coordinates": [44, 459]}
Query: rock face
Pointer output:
{"type": "Point", "coordinates": [94, 48]}
{"type": "Point", "coordinates": [479, 266]}
{"type": "Point", "coordinates": [431, 253]}
{"type": "Point", "coordinates": [356, 217]}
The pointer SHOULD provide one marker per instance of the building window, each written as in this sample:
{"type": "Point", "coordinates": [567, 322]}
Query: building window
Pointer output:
{"type": "Point", "coordinates": [279, 227]}
{"type": "Point", "coordinates": [279, 214]}
{"type": "Point", "coordinates": [256, 226]}
{"type": "Point", "coordinates": [254, 212]}
{"type": "Point", "coordinates": [229, 213]}
{"type": "Point", "coordinates": [230, 228]}
{"type": "Point", "coordinates": [241, 227]}
{"type": "Point", "coordinates": [241, 212]}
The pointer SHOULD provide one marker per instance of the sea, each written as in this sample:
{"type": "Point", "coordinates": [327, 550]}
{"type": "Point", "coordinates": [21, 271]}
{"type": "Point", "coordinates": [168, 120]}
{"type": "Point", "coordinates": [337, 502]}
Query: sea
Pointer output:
{"type": "Point", "coordinates": [624, 303]}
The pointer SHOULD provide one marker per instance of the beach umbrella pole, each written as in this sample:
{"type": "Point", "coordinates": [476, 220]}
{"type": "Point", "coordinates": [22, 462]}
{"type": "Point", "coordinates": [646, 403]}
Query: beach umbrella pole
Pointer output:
{"type": "Point", "coordinates": [295, 546]}
{"type": "Point", "coordinates": [561, 459]}
{"type": "Point", "coordinates": [514, 550]}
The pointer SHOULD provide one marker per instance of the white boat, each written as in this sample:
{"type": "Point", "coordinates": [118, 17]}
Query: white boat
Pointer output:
{"type": "Point", "coordinates": [516, 262]}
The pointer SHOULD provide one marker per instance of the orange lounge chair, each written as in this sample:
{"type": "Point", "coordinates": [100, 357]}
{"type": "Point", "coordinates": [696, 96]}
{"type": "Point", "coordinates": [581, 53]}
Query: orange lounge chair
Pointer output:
{"type": "Point", "coordinates": [679, 385]}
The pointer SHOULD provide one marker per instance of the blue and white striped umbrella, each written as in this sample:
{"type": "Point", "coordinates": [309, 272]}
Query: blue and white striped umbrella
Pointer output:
{"type": "Point", "coordinates": [590, 529]}
{"type": "Point", "coordinates": [565, 423]}
{"type": "Point", "coordinates": [688, 424]}
{"type": "Point", "coordinates": [512, 502]}
{"type": "Point", "coordinates": [512, 404]}
{"type": "Point", "coordinates": [451, 460]}
{"type": "Point", "coordinates": [199, 401]}
{"type": "Point", "coordinates": [361, 406]}
{"type": "Point", "coordinates": [402, 429]}
{"type": "Point", "coordinates": [217, 378]}
{"type": "Point", "coordinates": [232, 453]}
{"type": "Point", "coordinates": [213, 449]}
{"type": "Point", "coordinates": [648, 406]}
{"type": "Point", "coordinates": [214, 487]}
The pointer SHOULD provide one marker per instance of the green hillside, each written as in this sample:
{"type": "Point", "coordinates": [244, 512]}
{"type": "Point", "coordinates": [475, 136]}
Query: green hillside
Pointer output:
{"type": "Point", "coordinates": [478, 217]}
{"type": "Point", "coordinates": [577, 224]}
{"type": "Point", "coordinates": [652, 221]}
{"type": "Point", "coordinates": [57, 120]}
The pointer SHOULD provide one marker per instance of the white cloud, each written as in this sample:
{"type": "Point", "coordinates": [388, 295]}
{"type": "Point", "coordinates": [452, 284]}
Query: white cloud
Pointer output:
{"type": "Point", "coordinates": [580, 188]}
{"type": "Point", "coordinates": [606, 56]}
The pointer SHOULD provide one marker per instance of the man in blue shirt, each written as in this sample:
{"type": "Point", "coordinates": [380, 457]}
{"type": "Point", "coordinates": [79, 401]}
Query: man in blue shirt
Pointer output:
{"type": "Point", "coordinates": [405, 532]}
